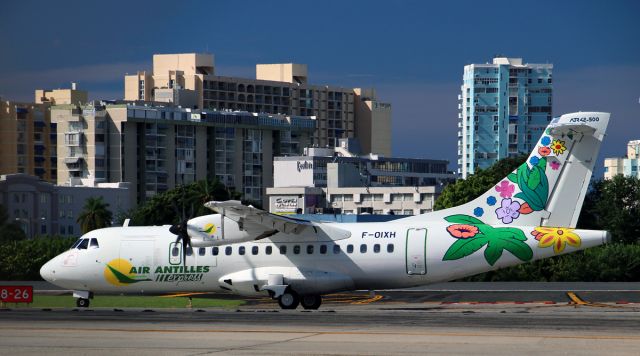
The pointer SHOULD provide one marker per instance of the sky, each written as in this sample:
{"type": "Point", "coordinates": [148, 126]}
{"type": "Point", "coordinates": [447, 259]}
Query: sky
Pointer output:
{"type": "Point", "coordinates": [411, 52]}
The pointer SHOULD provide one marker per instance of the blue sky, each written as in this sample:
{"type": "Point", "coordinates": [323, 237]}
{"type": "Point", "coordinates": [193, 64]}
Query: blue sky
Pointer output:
{"type": "Point", "coordinates": [412, 52]}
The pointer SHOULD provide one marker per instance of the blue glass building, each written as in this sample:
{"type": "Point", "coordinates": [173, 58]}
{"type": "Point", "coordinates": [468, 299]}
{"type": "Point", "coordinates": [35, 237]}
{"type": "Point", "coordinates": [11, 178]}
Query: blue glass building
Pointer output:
{"type": "Point", "coordinates": [504, 107]}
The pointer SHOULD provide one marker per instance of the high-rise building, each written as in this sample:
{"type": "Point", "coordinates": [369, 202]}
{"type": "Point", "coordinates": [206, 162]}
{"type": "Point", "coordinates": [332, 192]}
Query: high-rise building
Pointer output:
{"type": "Point", "coordinates": [628, 166]}
{"type": "Point", "coordinates": [189, 80]}
{"type": "Point", "coordinates": [28, 137]}
{"type": "Point", "coordinates": [156, 148]}
{"type": "Point", "coordinates": [504, 107]}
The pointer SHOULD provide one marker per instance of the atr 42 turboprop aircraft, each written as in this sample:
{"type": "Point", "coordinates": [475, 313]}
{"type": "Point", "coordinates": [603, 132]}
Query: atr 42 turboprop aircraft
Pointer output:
{"type": "Point", "coordinates": [529, 215]}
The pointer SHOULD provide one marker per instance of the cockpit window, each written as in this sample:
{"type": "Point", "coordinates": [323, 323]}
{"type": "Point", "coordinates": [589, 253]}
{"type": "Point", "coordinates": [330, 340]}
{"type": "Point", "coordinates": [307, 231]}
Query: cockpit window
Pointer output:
{"type": "Point", "coordinates": [75, 244]}
{"type": "Point", "coordinates": [94, 243]}
{"type": "Point", "coordinates": [83, 244]}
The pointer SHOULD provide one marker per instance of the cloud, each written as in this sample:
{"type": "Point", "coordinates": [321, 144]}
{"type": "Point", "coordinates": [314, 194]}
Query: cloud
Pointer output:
{"type": "Point", "coordinates": [21, 85]}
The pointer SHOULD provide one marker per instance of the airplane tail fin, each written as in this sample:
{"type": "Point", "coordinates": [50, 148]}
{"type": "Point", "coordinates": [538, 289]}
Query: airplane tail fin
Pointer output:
{"type": "Point", "coordinates": [549, 188]}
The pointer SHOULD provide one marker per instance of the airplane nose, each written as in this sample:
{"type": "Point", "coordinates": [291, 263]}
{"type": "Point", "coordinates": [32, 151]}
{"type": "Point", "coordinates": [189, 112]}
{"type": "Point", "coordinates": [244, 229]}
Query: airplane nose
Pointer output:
{"type": "Point", "coordinates": [47, 272]}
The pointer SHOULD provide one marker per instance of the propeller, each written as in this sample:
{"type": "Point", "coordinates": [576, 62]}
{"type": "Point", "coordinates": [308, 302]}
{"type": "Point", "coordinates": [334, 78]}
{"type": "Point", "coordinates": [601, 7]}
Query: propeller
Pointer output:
{"type": "Point", "coordinates": [181, 229]}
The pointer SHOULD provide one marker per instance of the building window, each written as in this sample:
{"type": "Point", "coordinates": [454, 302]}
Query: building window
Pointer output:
{"type": "Point", "coordinates": [70, 229]}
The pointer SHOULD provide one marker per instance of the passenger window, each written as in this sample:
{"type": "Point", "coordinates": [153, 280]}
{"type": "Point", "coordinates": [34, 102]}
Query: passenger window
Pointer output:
{"type": "Point", "coordinates": [390, 248]}
{"type": "Point", "coordinates": [83, 244]}
{"type": "Point", "coordinates": [363, 248]}
{"type": "Point", "coordinates": [349, 248]}
{"type": "Point", "coordinates": [241, 250]}
{"type": "Point", "coordinates": [215, 251]}
{"type": "Point", "coordinates": [202, 251]}
{"type": "Point", "coordinates": [296, 249]}
{"type": "Point", "coordinates": [323, 249]}
{"type": "Point", "coordinates": [309, 249]}
{"type": "Point", "coordinates": [283, 250]}
{"type": "Point", "coordinates": [336, 249]}
{"type": "Point", "coordinates": [189, 251]}
{"type": "Point", "coordinates": [228, 250]}
{"type": "Point", "coordinates": [268, 250]}
{"type": "Point", "coordinates": [376, 248]}
{"type": "Point", "coordinates": [254, 250]}
{"type": "Point", "coordinates": [175, 251]}
{"type": "Point", "coordinates": [94, 243]}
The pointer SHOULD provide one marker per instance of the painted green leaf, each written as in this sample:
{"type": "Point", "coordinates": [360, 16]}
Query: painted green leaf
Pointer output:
{"type": "Point", "coordinates": [512, 232]}
{"type": "Point", "coordinates": [492, 253]}
{"type": "Point", "coordinates": [122, 278]}
{"type": "Point", "coordinates": [513, 177]}
{"type": "Point", "coordinates": [485, 229]}
{"type": "Point", "coordinates": [463, 219]}
{"type": "Point", "coordinates": [518, 248]}
{"type": "Point", "coordinates": [463, 248]}
{"type": "Point", "coordinates": [542, 163]}
{"type": "Point", "coordinates": [534, 178]}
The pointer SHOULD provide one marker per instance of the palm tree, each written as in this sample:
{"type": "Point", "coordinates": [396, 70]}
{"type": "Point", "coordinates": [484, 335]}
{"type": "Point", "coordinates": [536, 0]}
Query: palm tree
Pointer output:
{"type": "Point", "coordinates": [94, 215]}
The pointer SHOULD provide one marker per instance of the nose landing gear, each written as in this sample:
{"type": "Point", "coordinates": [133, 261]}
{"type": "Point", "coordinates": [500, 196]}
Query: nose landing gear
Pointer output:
{"type": "Point", "coordinates": [82, 303]}
{"type": "Point", "coordinates": [82, 298]}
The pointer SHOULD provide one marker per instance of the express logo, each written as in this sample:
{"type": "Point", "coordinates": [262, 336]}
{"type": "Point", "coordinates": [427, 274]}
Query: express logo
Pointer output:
{"type": "Point", "coordinates": [209, 229]}
{"type": "Point", "coordinates": [121, 272]}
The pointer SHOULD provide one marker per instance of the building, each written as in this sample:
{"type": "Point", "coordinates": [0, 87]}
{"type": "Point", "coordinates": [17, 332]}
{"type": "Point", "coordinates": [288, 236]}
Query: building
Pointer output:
{"type": "Point", "coordinates": [504, 107]}
{"type": "Point", "coordinates": [277, 89]}
{"type": "Point", "coordinates": [628, 166]}
{"type": "Point", "coordinates": [337, 180]}
{"type": "Point", "coordinates": [157, 147]}
{"type": "Point", "coordinates": [28, 138]}
{"type": "Point", "coordinates": [42, 208]}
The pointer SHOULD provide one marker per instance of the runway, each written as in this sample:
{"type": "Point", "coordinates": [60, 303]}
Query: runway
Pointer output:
{"type": "Point", "coordinates": [374, 328]}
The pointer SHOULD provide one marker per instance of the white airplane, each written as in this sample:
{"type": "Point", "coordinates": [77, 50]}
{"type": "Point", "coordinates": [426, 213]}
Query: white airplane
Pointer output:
{"type": "Point", "coordinates": [529, 215]}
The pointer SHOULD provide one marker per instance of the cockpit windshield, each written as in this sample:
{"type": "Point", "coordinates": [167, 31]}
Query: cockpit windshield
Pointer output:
{"type": "Point", "coordinates": [85, 243]}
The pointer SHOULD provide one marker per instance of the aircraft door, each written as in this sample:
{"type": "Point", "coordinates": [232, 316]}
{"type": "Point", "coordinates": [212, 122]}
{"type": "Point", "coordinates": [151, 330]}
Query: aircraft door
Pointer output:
{"type": "Point", "coordinates": [416, 251]}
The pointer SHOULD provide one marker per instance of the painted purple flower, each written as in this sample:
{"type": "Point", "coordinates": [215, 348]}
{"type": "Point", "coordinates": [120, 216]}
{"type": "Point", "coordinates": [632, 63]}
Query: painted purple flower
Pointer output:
{"type": "Point", "coordinates": [555, 165]}
{"type": "Point", "coordinates": [505, 188]}
{"type": "Point", "coordinates": [508, 211]}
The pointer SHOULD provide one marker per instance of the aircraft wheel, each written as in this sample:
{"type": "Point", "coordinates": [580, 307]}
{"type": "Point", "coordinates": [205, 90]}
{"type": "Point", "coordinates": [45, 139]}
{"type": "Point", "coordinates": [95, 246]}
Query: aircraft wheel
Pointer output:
{"type": "Point", "coordinates": [82, 303]}
{"type": "Point", "coordinates": [311, 301]}
{"type": "Point", "coordinates": [289, 300]}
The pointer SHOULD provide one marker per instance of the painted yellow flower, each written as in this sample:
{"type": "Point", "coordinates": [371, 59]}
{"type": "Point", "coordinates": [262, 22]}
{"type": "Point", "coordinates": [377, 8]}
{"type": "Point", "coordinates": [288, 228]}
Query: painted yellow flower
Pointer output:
{"type": "Point", "coordinates": [558, 147]}
{"type": "Point", "coordinates": [557, 237]}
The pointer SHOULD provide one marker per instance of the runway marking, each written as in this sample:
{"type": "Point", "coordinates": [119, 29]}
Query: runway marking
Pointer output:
{"type": "Point", "coordinates": [313, 333]}
{"type": "Point", "coordinates": [370, 300]}
{"type": "Point", "coordinates": [183, 294]}
{"type": "Point", "coordinates": [579, 301]}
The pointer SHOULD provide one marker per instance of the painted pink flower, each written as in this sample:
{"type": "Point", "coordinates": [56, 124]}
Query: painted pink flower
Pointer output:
{"type": "Point", "coordinates": [555, 165]}
{"type": "Point", "coordinates": [505, 188]}
{"type": "Point", "coordinates": [544, 151]}
{"type": "Point", "coordinates": [508, 211]}
{"type": "Point", "coordinates": [462, 231]}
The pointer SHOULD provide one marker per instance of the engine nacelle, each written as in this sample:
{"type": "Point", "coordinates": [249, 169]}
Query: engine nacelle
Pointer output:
{"type": "Point", "coordinates": [211, 230]}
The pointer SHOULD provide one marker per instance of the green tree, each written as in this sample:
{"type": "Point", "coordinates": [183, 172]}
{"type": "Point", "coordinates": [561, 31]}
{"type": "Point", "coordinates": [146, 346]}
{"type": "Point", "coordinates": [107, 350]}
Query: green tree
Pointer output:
{"type": "Point", "coordinates": [614, 205]}
{"type": "Point", "coordinates": [465, 190]}
{"type": "Point", "coordinates": [95, 215]}
{"type": "Point", "coordinates": [9, 230]}
{"type": "Point", "coordinates": [161, 208]}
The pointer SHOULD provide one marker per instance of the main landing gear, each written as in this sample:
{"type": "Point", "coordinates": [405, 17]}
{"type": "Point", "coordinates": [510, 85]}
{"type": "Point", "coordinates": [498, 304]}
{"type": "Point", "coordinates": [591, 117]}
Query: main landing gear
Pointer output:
{"type": "Point", "coordinates": [290, 300]}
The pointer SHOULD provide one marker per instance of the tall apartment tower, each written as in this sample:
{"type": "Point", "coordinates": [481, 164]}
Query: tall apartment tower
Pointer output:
{"type": "Point", "coordinates": [189, 80]}
{"type": "Point", "coordinates": [504, 107]}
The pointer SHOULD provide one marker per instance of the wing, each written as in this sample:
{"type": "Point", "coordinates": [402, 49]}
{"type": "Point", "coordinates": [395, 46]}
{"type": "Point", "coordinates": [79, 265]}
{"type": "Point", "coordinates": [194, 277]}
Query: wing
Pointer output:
{"type": "Point", "coordinates": [264, 224]}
